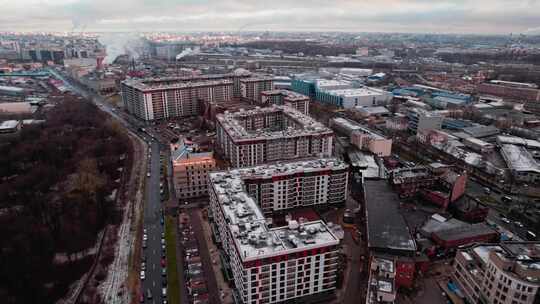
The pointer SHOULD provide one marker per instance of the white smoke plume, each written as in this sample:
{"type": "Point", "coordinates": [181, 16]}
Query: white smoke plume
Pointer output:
{"type": "Point", "coordinates": [186, 52]}
{"type": "Point", "coordinates": [118, 44]}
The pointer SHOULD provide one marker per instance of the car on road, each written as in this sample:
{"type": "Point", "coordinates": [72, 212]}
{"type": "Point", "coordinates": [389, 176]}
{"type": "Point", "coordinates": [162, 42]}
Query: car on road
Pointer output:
{"type": "Point", "coordinates": [149, 294]}
{"type": "Point", "coordinates": [148, 174]}
{"type": "Point", "coordinates": [506, 199]}
{"type": "Point", "coordinates": [505, 220]}
{"type": "Point", "coordinates": [487, 190]}
{"type": "Point", "coordinates": [164, 292]}
{"type": "Point", "coordinates": [519, 224]}
{"type": "Point", "coordinates": [161, 221]}
{"type": "Point", "coordinates": [142, 297]}
{"type": "Point", "coordinates": [164, 282]}
{"type": "Point", "coordinates": [143, 266]}
{"type": "Point", "coordinates": [143, 275]}
{"type": "Point", "coordinates": [144, 244]}
{"type": "Point", "coordinates": [163, 247]}
{"type": "Point", "coordinates": [145, 237]}
{"type": "Point", "coordinates": [163, 272]}
{"type": "Point", "coordinates": [163, 262]}
{"type": "Point", "coordinates": [162, 241]}
{"type": "Point", "coordinates": [163, 235]}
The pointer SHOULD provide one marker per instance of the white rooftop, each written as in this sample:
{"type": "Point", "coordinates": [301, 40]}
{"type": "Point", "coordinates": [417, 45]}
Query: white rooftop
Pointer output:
{"type": "Point", "coordinates": [9, 124]}
{"type": "Point", "coordinates": [253, 238]}
{"type": "Point", "coordinates": [519, 159]}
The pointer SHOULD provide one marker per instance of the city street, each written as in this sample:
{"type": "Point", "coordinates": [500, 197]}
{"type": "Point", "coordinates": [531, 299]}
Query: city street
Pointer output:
{"type": "Point", "coordinates": [152, 216]}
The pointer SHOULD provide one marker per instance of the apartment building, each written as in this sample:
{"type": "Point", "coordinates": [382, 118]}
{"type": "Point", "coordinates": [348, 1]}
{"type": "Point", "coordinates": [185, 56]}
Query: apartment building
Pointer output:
{"type": "Point", "coordinates": [284, 186]}
{"type": "Point", "coordinates": [272, 264]}
{"type": "Point", "coordinates": [261, 135]}
{"type": "Point", "coordinates": [505, 273]}
{"type": "Point", "coordinates": [252, 87]}
{"type": "Point", "coordinates": [292, 99]}
{"type": "Point", "coordinates": [165, 97]}
{"type": "Point", "coordinates": [190, 169]}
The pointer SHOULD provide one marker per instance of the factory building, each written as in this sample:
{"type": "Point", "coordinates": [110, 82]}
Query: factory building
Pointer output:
{"type": "Point", "coordinates": [504, 273]}
{"type": "Point", "coordinates": [298, 261]}
{"type": "Point", "coordinates": [251, 88]}
{"type": "Point", "coordinates": [261, 135]}
{"type": "Point", "coordinates": [521, 162]}
{"type": "Point", "coordinates": [353, 97]}
{"type": "Point", "coordinates": [292, 99]}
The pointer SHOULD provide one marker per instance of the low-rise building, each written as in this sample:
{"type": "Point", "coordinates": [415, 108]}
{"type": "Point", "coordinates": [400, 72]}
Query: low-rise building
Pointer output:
{"type": "Point", "coordinates": [521, 162]}
{"type": "Point", "coordinates": [362, 137]}
{"type": "Point", "coordinates": [381, 282]}
{"type": "Point", "coordinates": [354, 97]}
{"type": "Point", "coordinates": [479, 145]}
{"type": "Point", "coordinates": [420, 120]}
{"type": "Point", "coordinates": [505, 273]}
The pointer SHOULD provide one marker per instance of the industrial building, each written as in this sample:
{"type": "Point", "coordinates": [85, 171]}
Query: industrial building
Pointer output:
{"type": "Point", "coordinates": [387, 232]}
{"type": "Point", "coordinates": [252, 87]}
{"type": "Point", "coordinates": [510, 90]}
{"type": "Point", "coordinates": [353, 97]}
{"type": "Point", "coordinates": [292, 99]}
{"type": "Point", "coordinates": [273, 264]}
{"type": "Point", "coordinates": [167, 97]}
{"type": "Point", "coordinates": [190, 169]}
{"type": "Point", "coordinates": [521, 162]}
{"type": "Point", "coordinates": [261, 135]}
{"type": "Point", "coordinates": [504, 273]}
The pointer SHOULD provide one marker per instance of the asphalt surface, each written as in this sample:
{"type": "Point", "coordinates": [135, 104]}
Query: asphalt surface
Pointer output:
{"type": "Point", "coordinates": [152, 223]}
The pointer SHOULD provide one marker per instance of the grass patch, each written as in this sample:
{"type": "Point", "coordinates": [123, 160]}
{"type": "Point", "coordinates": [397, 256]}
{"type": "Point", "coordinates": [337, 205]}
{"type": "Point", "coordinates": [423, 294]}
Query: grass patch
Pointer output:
{"type": "Point", "coordinates": [173, 292]}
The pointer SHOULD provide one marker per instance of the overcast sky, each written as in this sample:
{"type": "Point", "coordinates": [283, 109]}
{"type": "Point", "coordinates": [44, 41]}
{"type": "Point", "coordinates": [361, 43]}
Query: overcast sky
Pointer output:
{"type": "Point", "coordinates": [433, 16]}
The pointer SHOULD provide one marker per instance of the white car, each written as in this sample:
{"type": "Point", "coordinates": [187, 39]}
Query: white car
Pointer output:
{"type": "Point", "coordinates": [148, 174]}
{"type": "Point", "coordinates": [143, 275]}
{"type": "Point", "coordinates": [145, 237]}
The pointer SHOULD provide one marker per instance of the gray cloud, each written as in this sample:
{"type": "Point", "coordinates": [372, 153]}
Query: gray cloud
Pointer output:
{"type": "Point", "coordinates": [461, 16]}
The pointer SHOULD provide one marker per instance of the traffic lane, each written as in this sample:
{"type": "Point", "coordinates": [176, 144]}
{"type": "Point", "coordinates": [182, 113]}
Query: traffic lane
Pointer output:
{"type": "Point", "coordinates": [510, 226]}
{"type": "Point", "coordinates": [154, 228]}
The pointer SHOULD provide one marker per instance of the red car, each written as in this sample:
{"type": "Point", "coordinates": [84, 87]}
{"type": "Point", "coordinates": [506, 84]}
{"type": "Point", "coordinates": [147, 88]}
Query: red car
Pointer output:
{"type": "Point", "coordinates": [163, 262]}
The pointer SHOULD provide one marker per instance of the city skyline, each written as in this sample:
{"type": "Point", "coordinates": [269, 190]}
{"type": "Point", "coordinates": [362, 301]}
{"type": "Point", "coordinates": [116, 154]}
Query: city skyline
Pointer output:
{"type": "Point", "coordinates": [416, 16]}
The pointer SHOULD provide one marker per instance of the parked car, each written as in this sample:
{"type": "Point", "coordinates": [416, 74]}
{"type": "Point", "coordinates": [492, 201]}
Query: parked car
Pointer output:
{"type": "Point", "coordinates": [143, 275]}
{"type": "Point", "coordinates": [164, 292]}
{"type": "Point", "coordinates": [163, 272]}
{"type": "Point", "coordinates": [163, 262]}
{"type": "Point", "coordinates": [505, 220]}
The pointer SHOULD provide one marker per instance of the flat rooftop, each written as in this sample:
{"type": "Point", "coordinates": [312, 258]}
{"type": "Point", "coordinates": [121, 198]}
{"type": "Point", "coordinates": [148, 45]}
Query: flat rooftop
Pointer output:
{"type": "Point", "coordinates": [386, 227]}
{"type": "Point", "coordinates": [307, 125]}
{"type": "Point", "coordinates": [8, 124]}
{"type": "Point", "coordinates": [253, 237]}
{"type": "Point", "coordinates": [290, 95]}
{"type": "Point", "coordinates": [356, 92]}
{"type": "Point", "coordinates": [157, 85]}
{"type": "Point", "coordinates": [519, 159]}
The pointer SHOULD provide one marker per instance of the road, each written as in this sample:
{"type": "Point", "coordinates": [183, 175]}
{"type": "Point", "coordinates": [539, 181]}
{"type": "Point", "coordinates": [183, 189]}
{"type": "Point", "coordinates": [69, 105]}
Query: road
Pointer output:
{"type": "Point", "coordinates": [153, 278]}
{"type": "Point", "coordinates": [154, 229]}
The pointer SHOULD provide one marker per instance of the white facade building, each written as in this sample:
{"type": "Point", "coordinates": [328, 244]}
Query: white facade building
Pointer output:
{"type": "Point", "coordinates": [273, 264]}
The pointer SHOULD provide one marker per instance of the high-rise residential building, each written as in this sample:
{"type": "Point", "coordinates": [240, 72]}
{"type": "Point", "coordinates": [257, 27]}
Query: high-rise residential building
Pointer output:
{"type": "Point", "coordinates": [190, 169]}
{"type": "Point", "coordinates": [155, 99]}
{"type": "Point", "coordinates": [167, 97]}
{"type": "Point", "coordinates": [285, 97]}
{"type": "Point", "coordinates": [505, 273]}
{"type": "Point", "coordinates": [261, 135]}
{"type": "Point", "coordinates": [276, 264]}
{"type": "Point", "coordinates": [252, 87]}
